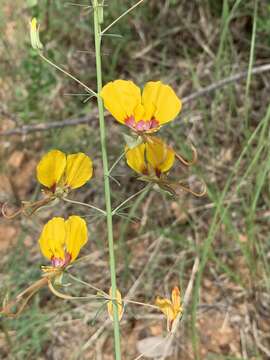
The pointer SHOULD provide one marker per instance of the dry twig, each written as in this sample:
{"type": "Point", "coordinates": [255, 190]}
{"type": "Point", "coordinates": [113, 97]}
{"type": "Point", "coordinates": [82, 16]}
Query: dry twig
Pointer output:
{"type": "Point", "coordinates": [86, 119]}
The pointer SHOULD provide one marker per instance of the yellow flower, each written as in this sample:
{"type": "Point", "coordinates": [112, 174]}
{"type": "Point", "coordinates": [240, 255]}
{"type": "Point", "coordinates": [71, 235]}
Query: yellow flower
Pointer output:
{"type": "Point", "coordinates": [60, 173]}
{"type": "Point", "coordinates": [172, 309]}
{"type": "Point", "coordinates": [120, 307]}
{"type": "Point", "coordinates": [143, 113]}
{"type": "Point", "coordinates": [61, 241]}
{"type": "Point", "coordinates": [152, 158]}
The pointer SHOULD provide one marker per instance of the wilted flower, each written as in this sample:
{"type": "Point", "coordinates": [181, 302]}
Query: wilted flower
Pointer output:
{"type": "Point", "coordinates": [60, 173]}
{"type": "Point", "coordinates": [119, 302]}
{"type": "Point", "coordinates": [172, 309]}
{"type": "Point", "coordinates": [61, 241]}
{"type": "Point", "coordinates": [143, 113]}
{"type": "Point", "coordinates": [151, 159]}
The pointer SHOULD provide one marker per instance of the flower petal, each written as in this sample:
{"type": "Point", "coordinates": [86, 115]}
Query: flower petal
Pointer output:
{"type": "Point", "coordinates": [76, 235]}
{"type": "Point", "coordinates": [79, 170]}
{"type": "Point", "coordinates": [159, 156]}
{"type": "Point", "coordinates": [160, 102]}
{"type": "Point", "coordinates": [166, 307]}
{"type": "Point", "coordinates": [52, 239]}
{"type": "Point", "coordinates": [135, 158]}
{"type": "Point", "coordinates": [121, 98]}
{"type": "Point", "coordinates": [120, 307]}
{"type": "Point", "coordinates": [51, 168]}
{"type": "Point", "coordinates": [176, 299]}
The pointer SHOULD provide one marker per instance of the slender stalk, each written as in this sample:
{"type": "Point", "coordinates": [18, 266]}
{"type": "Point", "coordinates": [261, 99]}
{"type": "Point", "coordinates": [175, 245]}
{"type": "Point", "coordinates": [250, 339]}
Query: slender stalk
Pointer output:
{"type": "Point", "coordinates": [130, 198]}
{"type": "Point", "coordinates": [85, 283]}
{"type": "Point", "coordinates": [141, 304]}
{"type": "Point", "coordinates": [68, 74]}
{"type": "Point", "coordinates": [97, 17]}
{"type": "Point", "coordinates": [121, 16]}
{"type": "Point", "coordinates": [84, 204]}
{"type": "Point", "coordinates": [116, 162]}
{"type": "Point", "coordinates": [250, 64]}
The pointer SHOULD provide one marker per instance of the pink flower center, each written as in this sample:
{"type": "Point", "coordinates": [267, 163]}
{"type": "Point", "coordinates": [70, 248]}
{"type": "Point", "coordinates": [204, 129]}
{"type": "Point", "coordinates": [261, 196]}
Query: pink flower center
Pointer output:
{"type": "Point", "coordinates": [142, 125]}
{"type": "Point", "coordinates": [58, 262]}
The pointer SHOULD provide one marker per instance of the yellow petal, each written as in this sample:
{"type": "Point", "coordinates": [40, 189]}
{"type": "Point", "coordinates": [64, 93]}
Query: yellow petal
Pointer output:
{"type": "Point", "coordinates": [52, 239]}
{"type": "Point", "coordinates": [166, 307]}
{"type": "Point", "coordinates": [121, 98]}
{"type": "Point", "coordinates": [159, 156]}
{"type": "Point", "coordinates": [135, 158]}
{"type": "Point", "coordinates": [120, 307]}
{"type": "Point", "coordinates": [76, 235]}
{"type": "Point", "coordinates": [51, 168]}
{"type": "Point", "coordinates": [79, 170]}
{"type": "Point", "coordinates": [176, 299]}
{"type": "Point", "coordinates": [160, 102]}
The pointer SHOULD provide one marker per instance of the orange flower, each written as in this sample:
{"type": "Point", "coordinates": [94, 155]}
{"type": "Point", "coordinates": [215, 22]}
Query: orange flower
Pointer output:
{"type": "Point", "coordinates": [172, 309]}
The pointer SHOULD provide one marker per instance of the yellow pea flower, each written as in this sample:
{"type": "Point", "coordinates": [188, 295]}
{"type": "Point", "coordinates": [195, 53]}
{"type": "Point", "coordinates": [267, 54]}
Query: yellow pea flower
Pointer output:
{"type": "Point", "coordinates": [143, 112]}
{"type": "Point", "coordinates": [152, 158]}
{"type": "Point", "coordinates": [172, 309]}
{"type": "Point", "coordinates": [59, 172]}
{"type": "Point", "coordinates": [120, 307]}
{"type": "Point", "coordinates": [61, 240]}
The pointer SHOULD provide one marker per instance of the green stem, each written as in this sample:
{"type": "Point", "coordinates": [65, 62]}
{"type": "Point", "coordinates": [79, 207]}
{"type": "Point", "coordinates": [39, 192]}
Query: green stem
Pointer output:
{"type": "Point", "coordinates": [97, 18]}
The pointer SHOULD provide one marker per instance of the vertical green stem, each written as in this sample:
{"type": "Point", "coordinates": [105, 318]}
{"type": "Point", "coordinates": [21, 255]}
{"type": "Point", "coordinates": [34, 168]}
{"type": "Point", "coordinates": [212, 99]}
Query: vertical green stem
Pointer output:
{"type": "Point", "coordinates": [97, 19]}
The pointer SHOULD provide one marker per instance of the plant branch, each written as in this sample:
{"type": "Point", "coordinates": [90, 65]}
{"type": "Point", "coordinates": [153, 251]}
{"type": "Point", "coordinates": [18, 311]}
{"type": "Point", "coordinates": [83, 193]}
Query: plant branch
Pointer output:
{"type": "Point", "coordinates": [130, 198]}
{"type": "Point", "coordinates": [120, 17]}
{"type": "Point", "coordinates": [84, 204]}
{"type": "Point", "coordinates": [68, 74]}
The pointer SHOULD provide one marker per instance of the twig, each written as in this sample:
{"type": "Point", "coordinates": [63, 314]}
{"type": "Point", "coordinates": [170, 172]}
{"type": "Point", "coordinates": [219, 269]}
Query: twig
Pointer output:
{"type": "Point", "coordinates": [86, 119]}
{"type": "Point", "coordinates": [26, 129]}
{"type": "Point", "coordinates": [191, 282]}
{"type": "Point", "coordinates": [263, 348]}
{"type": "Point", "coordinates": [224, 82]}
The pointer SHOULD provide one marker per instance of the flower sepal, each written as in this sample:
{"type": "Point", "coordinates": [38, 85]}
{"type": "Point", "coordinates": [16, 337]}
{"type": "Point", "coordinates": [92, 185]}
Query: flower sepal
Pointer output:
{"type": "Point", "coordinates": [58, 280]}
